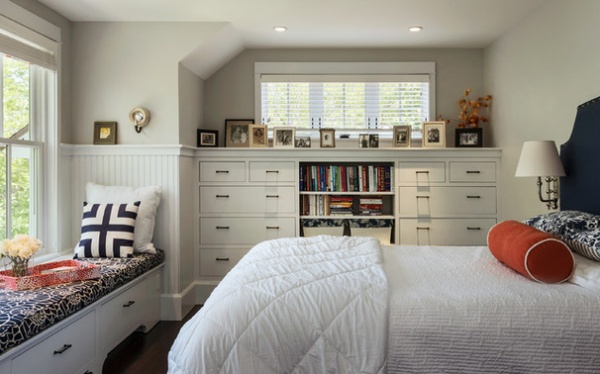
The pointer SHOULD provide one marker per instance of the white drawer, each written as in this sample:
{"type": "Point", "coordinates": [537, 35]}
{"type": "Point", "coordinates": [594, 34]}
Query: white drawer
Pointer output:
{"type": "Point", "coordinates": [244, 230]}
{"type": "Point", "coordinates": [446, 201]}
{"type": "Point", "coordinates": [462, 171]}
{"type": "Point", "coordinates": [259, 199]}
{"type": "Point", "coordinates": [421, 172]}
{"type": "Point", "coordinates": [212, 171]}
{"type": "Point", "coordinates": [470, 231]}
{"type": "Point", "coordinates": [283, 171]}
{"type": "Point", "coordinates": [67, 351]}
{"type": "Point", "coordinates": [218, 262]}
{"type": "Point", "coordinates": [123, 314]}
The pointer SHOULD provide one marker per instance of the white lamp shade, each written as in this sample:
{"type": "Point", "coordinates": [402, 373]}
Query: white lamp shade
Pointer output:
{"type": "Point", "coordinates": [539, 158]}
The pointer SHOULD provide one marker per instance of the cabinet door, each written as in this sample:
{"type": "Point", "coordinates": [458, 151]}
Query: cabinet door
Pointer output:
{"type": "Point", "coordinates": [67, 351]}
{"type": "Point", "coordinates": [449, 231]}
{"type": "Point", "coordinates": [229, 230]}
{"type": "Point", "coordinates": [241, 199]}
{"type": "Point", "coordinates": [447, 201]}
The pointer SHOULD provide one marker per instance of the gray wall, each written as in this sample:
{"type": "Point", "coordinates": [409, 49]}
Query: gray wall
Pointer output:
{"type": "Point", "coordinates": [229, 93]}
{"type": "Point", "coordinates": [539, 72]}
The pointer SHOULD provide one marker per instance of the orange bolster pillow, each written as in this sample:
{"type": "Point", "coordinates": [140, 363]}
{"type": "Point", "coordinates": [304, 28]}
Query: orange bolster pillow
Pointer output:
{"type": "Point", "coordinates": [531, 252]}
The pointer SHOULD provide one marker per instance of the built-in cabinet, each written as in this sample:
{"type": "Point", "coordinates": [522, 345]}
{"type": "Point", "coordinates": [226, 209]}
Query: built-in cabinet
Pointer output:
{"type": "Point", "coordinates": [425, 197]}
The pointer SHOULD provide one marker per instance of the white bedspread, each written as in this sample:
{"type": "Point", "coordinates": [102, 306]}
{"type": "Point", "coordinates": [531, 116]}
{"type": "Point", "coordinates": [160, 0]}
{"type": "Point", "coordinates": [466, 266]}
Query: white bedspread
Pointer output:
{"type": "Point", "coordinates": [320, 307]}
{"type": "Point", "coordinates": [458, 310]}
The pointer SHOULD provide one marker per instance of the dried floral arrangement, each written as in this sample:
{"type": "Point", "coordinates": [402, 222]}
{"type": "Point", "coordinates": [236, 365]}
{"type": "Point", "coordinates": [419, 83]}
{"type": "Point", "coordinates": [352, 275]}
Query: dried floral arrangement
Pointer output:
{"type": "Point", "coordinates": [473, 111]}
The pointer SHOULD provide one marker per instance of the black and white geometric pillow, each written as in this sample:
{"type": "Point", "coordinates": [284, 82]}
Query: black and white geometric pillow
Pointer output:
{"type": "Point", "coordinates": [107, 230]}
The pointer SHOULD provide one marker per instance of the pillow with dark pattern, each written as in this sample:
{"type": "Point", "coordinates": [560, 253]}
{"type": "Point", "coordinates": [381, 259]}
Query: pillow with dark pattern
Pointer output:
{"type": "Point", "coordinates": [580, 230]}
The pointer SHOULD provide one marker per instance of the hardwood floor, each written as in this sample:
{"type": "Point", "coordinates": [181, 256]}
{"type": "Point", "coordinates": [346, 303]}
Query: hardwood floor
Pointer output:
{"type": "Point", "coordinates": [145, 353]}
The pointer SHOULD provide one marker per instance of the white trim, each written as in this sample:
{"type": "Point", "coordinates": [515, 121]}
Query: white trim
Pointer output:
{"type": "Point", "coordinates": [125, 150]}
{"type": "Point", "coordinates": [536, 245]}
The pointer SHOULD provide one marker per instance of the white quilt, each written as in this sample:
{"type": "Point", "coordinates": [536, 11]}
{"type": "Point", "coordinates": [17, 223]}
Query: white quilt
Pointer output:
{"type": "Point", "coordinates": [320, 307]}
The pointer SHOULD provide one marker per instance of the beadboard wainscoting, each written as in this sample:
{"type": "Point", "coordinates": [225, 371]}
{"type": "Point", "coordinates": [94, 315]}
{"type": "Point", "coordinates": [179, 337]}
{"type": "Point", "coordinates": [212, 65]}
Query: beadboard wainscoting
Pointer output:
{"type": "Point", "coordinates": [170, 167]}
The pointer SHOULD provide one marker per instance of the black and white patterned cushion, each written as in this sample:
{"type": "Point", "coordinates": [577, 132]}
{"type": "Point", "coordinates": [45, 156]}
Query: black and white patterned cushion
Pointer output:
{"type": "Point", "coordinates": [107, 230]}
{"type": "Point", "coordinates": [579, 230]}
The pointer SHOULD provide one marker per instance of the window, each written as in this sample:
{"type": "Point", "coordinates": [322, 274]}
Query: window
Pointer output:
{"type": "Point", "coordinates": [374, 96]}
{"type": "Point", "coordinates": [27, 116]}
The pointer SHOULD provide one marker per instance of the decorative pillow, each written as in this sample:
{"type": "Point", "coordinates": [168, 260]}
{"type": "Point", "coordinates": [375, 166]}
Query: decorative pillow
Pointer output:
{"type": "Point", "coordinates": [148, 196]}
{"type": "Point", "coordinates": [531, 252]}
{"type": "Point", "coordinates": [107, 230]}
{"type": "Point", "coordinates": [580, 230]}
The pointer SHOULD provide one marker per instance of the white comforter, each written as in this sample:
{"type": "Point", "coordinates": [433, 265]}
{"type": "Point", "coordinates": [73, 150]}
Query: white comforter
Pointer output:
{"type": "Point", "coordinates": [320, 306]}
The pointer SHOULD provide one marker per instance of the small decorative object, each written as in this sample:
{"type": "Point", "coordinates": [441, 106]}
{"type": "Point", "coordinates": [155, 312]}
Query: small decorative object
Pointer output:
{"type": "Point", "coordinates": [402, 136]}
{"type": "Point", "coordinates": [327, 138]}
{"type": "Point", "coordinates": [473, 111]}
{"type": "Point", "coordinates": [469, 137]}
{"type": "Point", "coordinates": [207, 138]}
{"type": "Point", "coordinates": [363, 141]}
{"type": "Point", "coordinates": [18, 251]}
{"type": "Point", "coordinates": [434, 134]}
{"type": "Point", "coordinates": [258, 136]}
{"type": "Point", "coordinates": [139, 118]}
{"type": "Point", "coordinates": [302, 142]}
{"type": "Point", "coordinates": [237, 132]}
{"type": "Point", "coordinates": [49, 274]}
{"type": "Point", "coordinates": [283, 137]}
{"type": "Point", "coordinates": [374, 141]}
{"type": "Point", "coordinates": [105, 133]}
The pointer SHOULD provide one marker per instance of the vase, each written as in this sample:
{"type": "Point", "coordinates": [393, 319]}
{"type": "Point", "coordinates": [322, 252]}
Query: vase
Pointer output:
{"type": "Point", "coordinates": [20, 267]}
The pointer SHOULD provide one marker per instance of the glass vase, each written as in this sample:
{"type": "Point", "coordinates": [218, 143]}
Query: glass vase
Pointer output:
{"type": "Point", "coordinates": [20, 267]}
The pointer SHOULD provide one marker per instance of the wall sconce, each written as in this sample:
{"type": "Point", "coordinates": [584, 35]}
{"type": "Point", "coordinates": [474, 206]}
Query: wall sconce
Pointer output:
{"type": "Point", "coordinates": [139, 117]}
{"type": "Point", "coordinates": [539, 159]}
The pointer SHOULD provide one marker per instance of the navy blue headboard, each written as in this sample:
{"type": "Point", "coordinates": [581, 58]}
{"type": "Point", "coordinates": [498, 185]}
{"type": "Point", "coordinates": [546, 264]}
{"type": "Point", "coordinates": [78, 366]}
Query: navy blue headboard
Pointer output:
{"type": "Point", "coordinates": [580, 155]}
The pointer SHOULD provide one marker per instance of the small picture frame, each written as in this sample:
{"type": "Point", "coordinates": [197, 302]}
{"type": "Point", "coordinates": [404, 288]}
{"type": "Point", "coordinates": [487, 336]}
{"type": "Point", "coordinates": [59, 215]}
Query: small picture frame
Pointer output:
{"type": "Point", "coordinates": [105, 133]}
{"type": "Point", "coordinates": [207, 138]}
{"type": "Point", "coordinates": [374, 141]}
{"type": "Point", "coordinates": [283, 137]}
{"type": "Point", "coordinates": [469, 137]}
{"type": "Point", "coordinates": [363, 140]}
{"type": "Point", "coordinates": [302, 142]}
{"type": "Point", "coordinates": [259, 137]}
{"type": "Point", "coordinates": [327, 138]}
{"type": "Point", "coordinates": [402, 136]}
{"type": "Point", "coordinates": [237, 132]}
{"type": "Point", "coordinates": [434, 134]}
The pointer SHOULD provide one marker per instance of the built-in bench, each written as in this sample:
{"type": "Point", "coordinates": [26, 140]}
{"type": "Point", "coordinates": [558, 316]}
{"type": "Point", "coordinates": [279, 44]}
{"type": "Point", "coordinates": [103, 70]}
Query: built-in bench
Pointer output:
{"type": "Point", "coordinates": [70, 328]}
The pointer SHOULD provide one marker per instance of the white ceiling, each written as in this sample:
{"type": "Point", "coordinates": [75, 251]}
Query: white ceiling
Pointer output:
{"type": "Point", "coordinates": [324, 23]}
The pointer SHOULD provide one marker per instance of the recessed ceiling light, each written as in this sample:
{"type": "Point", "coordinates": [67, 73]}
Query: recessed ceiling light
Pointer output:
{"type": "Point", "coordinates": [280, 28]}
{"type": "Point", "coordinates": [415, 28]}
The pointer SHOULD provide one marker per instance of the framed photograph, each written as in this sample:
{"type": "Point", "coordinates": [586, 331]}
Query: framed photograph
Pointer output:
{"type": "Point", "coordinates": [302, 142]}
{"type": "Point", "coordinates": [208, 138]}
{"type": "Point", "coordinates": [374, 141]}
{"type": "Point", "coordinates": [283, 137]}
{"type": "Point", "coordinates": [434, 134]}
{"type": "Point", "coordinates": [258, 136]}
{"type": "Point", "coordinates": [469, 137]}
{"type": "Point", "coordinates": [363, 141]}
{"type": "Point", "coordinates": [105, 133]}
{"type": "Point", "coordinates": [237, 132]}
{"type": "Point", "coordinates": [402, 136]}
{"type": "Point", "coordinates": [327, 138]}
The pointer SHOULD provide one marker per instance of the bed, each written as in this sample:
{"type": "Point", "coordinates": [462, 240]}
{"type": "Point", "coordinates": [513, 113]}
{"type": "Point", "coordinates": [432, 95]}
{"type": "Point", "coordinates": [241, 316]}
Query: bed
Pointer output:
{"type": "Point", "coordinates": [348, 304]}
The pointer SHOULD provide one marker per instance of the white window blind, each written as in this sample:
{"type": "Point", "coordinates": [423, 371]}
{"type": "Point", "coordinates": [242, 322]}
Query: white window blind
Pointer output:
{"type": "Point", "coordinates": [33, 48]}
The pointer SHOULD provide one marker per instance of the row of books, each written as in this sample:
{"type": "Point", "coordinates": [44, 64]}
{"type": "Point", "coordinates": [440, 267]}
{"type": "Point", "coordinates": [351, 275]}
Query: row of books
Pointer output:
{"type": "Point", "coordinates": [335, 205]}
{"type": "Point", "coordinates": [346, 178]}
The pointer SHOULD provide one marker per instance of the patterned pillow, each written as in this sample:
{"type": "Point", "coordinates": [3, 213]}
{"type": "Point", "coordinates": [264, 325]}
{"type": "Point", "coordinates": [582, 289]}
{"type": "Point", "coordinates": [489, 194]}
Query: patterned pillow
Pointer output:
{"type": "Point", "coordinates": [580, 230]}
{"type": "Point", "coordinates": [107, 230]}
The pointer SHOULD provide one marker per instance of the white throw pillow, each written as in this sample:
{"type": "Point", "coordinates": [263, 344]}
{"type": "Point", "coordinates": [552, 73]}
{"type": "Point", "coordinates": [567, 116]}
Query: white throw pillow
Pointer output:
{"type": "Point", "coordinates": [149, 197]}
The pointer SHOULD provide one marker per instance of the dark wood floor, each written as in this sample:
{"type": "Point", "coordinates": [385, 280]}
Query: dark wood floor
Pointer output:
{"type": "Point", "coordinates": [145, 353]}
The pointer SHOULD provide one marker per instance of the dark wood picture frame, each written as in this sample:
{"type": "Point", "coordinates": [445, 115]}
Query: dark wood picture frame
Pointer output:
{"type": "Point", "coordinates": [105, 132]}
{"type": "Point", "coordinates": [469, 137]}
{"type": "Point", "coordinates": [327, 137]}
{"type": "Point", "coordinates": [207, 138]}
{"type": "Point", "coordinates": [402, 135]}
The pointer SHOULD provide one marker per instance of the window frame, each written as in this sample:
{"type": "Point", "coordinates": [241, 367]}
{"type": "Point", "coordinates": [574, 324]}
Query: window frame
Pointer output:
{"type": "Point", "coordinates": [368, 70]}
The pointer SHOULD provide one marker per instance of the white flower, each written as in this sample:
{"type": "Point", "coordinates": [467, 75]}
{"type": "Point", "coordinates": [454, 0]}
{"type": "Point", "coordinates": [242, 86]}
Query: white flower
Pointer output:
{"type": "Point", "coordinates": [22, 246]}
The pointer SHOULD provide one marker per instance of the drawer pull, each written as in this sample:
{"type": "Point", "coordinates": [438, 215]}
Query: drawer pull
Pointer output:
{"type": "Point", "coordinates": [473, 172]}
{"type": "Point", "coordinates": [422, 197]}
{"type": "Point", "coordinates": [222, 171]}
{"type": "Point", "coordinates": [272, 171]}
{"type": "Point", "coordinates": [422, 228]}
{"type": "Point", "coordinates": [222, 259]}
{"type": "Point", "coordinates": [222, 227]}
{"type": "Point", "coordinates": [129, 303]}
{"type": "Point", "coordinates": [473, 228]}
{"type": "Point", "coordinates": [63, 349]}
{"type": "Point", "coordinates": [272, 196]}
{"type": "Point", "coordinates": [422, 172]}
{"type": "Point", "coordinates": [272, 227]}
{"type": "Point", "coordinates": [473, 197]}
{"type": "Point", "coordinates": [222, 196]}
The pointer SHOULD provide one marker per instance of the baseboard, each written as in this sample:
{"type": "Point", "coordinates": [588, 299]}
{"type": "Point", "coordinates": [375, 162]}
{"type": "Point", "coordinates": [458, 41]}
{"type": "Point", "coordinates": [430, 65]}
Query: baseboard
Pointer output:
{"type": "Point", "coordinates": [173, 307]}
{"type": "Point", "coordinates": [203, 290]}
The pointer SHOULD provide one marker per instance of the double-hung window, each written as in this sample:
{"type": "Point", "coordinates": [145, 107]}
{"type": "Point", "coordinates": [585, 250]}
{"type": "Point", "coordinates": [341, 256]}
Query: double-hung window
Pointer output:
{"type": "Point", "coordinates": [28, 112]}
{"type": "Point", "coordinates": [345, 96]}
